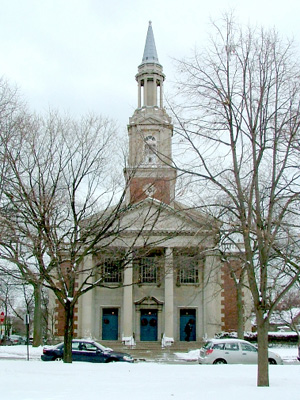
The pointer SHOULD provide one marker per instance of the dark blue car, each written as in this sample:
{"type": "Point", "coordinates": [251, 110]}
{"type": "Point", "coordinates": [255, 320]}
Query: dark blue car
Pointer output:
{"type": "Point", "coordinates": [85, 350]}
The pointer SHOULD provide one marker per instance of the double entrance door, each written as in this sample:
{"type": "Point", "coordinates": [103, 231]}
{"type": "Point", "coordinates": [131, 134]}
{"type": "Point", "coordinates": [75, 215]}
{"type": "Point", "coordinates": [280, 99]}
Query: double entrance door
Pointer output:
{"type": "Point", "coordinates": [148, 325]}
{"type": "Point", "coordinates": [110, 324]}
{"type": "Point", "coordinates": [188, 325]}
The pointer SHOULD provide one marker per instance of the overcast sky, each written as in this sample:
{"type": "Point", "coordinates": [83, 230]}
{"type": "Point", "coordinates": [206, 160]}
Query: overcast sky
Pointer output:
{"type": "Point", "coordinates": [82, 55]}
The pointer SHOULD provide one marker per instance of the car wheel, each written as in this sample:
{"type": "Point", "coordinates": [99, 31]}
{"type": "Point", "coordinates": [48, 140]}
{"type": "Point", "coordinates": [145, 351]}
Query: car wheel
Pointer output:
{"type": "Point", "coordinates": [57, 359]}
{"type": "Point", "coordinates": [109, 360]}
{"type": "Point", "coordinates": [272, 361]}
{"type": "Point", "coordinates": [220, 361]}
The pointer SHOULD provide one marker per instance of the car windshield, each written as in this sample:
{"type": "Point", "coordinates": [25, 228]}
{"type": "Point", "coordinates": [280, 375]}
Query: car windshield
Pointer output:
{"type": "Point", "coordinates": [208, 345]}
{"type": "Point", "coordinates": [103, 348]}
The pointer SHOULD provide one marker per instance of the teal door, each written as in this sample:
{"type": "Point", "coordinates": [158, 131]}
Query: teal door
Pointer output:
{"type": "Point", "coordinates": [188, 325]}
{"type": "Point", "coordinates": [149, 325]}
{"type": "Point", "coordinates": [110, 324]}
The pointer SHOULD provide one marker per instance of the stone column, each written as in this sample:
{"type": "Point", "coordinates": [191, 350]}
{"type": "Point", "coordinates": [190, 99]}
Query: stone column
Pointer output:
{"type": "Point", "coordinates": [155, 85]}
{"type": "Point", "coordinates": [161, 94]}
{"type": "Point", "coordinates": [211, 297]}
{"type": "Point", "coordinates": [146, 92]}
{"type": "Point", "coordinates": [169, 294]}
{"type": "Point", "coordinates": [86, 312]}
{"type": "Point", "coordinates": [128, 302]}
{"type": "Point", "coordinates": [139, 93]}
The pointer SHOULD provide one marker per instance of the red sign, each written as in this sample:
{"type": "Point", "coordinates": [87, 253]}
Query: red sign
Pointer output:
{"type": "Point", "coordinates": [2, 316]}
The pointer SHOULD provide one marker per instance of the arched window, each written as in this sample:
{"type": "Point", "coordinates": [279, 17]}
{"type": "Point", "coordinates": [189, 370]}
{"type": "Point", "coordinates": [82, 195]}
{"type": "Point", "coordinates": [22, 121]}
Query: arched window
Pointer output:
{"type": "Point", "coordinates": [150, 150]}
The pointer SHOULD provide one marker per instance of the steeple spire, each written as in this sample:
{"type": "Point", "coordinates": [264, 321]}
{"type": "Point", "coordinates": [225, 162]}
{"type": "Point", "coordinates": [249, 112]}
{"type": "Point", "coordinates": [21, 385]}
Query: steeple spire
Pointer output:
{"type": "Point", "coordinates": [150, 53]}
{"type": "Point", "coordinates": [150, 75]}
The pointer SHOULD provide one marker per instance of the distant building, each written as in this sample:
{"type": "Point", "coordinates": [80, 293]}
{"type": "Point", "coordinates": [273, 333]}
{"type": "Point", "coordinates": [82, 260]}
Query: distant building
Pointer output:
{"type": "Point", "coordinates": [176, 288]}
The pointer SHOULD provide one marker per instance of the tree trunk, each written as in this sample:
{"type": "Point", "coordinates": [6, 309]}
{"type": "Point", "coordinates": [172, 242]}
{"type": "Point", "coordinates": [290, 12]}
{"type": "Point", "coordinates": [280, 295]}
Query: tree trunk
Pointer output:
{"type": "Point", "coordinates": [37, 319]}
{"type": "Point", "coordinates": [68, 336]}
{"type": "Point", "coordinates": [6, 322]}
{"type": "Point", "coordinates": [262, 341]}
{"type": "Point", "coordinates": [240, 312]}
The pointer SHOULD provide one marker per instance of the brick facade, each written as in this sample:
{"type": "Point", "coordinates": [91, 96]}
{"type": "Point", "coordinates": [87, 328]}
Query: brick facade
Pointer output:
{"type": "Point", "coordinates": [59, 309]}
{"type": "Point", "coordinates": [139, 188]}
{"type": "Point", "coordinates": [60, 319]}
{"type": "Point", "coordinates": [229, 295]}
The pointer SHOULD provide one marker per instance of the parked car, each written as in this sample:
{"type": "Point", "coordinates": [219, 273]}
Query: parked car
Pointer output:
{"type": "Point", "coordinates": [232, 351]}
{"type": "Point", "coordinates": [17, 339]}
{"type": "Point", "coordinates": [85, 350]}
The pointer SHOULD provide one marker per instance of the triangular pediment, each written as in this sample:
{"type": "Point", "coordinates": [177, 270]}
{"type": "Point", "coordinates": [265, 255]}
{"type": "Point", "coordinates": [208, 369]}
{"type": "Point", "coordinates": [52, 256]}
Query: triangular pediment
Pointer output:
{"type": "Point", "coordinates": [154, 217]}
{"type": "Point", "coordinates": [148, 301]}
{"type": "Point", "coordinates": [153, 223]}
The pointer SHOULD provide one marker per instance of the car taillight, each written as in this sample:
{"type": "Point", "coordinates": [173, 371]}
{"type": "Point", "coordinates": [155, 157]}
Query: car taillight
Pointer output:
{"type": "Point", "coordinates": [208, 352]}
{"type": "Point", "coordinates": [44, 351]}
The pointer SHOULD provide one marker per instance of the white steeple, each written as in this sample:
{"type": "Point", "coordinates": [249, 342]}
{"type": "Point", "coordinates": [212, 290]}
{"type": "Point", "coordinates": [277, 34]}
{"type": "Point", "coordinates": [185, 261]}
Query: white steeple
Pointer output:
{"type": "Point", "coordinates": [150, 130]}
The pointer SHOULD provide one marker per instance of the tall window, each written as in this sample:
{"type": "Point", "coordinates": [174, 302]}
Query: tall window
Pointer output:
{"type": "Point", "coordinates": [147, 267]}
{"type": "Point", "coordinates": [189, 273]}
{"type": "Point", "coordinates": [187, 264]}
{"type": "Point", "coordinates": [111, 271]}
{"type": "Point", "coordinates": [150, 149]}
{"type": "Point", "coordinates": [148, 270]}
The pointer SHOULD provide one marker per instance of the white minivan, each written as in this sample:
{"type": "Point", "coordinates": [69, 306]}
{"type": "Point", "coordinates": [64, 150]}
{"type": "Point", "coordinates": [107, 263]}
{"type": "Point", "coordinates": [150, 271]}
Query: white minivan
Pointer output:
{"type": "Point", "coordinates": [232, 351]}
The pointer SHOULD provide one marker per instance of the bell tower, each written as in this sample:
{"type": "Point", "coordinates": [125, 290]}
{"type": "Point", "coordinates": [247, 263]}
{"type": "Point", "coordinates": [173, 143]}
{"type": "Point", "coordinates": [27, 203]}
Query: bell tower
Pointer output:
{"type": "Point", "coordinates": [150, 172]}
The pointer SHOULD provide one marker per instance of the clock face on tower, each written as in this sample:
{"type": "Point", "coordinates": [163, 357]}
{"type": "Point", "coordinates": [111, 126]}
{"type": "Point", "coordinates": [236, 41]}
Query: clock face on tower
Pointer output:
{"type": "Point", "coordinates": [149, 189]}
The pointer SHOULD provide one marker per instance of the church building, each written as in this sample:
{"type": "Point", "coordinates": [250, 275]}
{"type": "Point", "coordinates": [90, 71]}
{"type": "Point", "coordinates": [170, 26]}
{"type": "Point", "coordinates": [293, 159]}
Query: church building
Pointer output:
{"type": "Point", "coordinates": [175, 287]}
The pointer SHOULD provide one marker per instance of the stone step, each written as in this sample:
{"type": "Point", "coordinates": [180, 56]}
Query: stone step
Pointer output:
{"type": "Point", "coordinates": [152, 351]}
{"type": "Point", "coordinates": [155, 346]}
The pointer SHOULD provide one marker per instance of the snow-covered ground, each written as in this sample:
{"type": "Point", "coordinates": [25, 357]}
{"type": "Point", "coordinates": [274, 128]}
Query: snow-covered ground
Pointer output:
{"type": "Point", "coordinates": [29, 380]}
{"type": "Point", "coordinates": [20, 351]}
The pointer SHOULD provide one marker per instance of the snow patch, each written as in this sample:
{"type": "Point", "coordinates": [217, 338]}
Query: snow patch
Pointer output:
{"type": "Point", "coordinates": [166, 341]}
{"type": "Point", "coordinates": [128, 341]}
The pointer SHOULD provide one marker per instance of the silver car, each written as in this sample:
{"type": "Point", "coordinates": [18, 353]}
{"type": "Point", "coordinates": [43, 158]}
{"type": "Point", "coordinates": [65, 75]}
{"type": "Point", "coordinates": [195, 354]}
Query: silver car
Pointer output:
{"type": "Point", "coordinates": [232, 351]}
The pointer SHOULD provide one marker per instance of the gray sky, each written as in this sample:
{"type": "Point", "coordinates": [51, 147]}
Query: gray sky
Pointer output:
{"type": "Point", "coordinates": [82, 55]}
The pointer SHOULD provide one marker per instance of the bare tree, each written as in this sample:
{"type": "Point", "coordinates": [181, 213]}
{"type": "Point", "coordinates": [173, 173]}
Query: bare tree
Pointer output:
{"type": "Point", "coordinates": [63, 202]}
{"type": "Point", "coordinates": [18, 296]}
{"type": "Point", "coordinates": [238, 124]}
{"type": "Point", "coordinates": [11, 112]}
{"type": "Point", "coordinates": [57, 175]}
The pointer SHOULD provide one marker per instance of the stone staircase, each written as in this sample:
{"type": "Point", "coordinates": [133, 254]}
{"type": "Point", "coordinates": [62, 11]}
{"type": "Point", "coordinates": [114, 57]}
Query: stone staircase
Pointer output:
{"type": "Point", "coordinates": [152, 351]}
